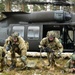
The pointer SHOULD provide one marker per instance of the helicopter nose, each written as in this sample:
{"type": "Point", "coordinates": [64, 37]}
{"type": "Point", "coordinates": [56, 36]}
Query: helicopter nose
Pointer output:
{"type": "Point", "coordinates": [62, 16]}
{"type": "Point", "coordinates": [67, 16]}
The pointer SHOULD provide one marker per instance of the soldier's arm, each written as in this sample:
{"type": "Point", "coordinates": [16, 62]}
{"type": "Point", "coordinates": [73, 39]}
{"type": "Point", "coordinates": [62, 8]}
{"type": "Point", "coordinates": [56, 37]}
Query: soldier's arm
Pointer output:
{"type": "Point", "coordinates": [22, 46]}
{"type": "Point", "coordinates": [59, 45]}
{"type": "Point", "coordinates": [7, 42]}
{"type": "Point", "coordinates": [42, 43]}
{"type": "Point", "coordinates": [27, 44]}
{"type": "Point", "coordinates": [67, 66]}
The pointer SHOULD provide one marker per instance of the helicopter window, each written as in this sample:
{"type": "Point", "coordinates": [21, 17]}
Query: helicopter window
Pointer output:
{"type": "Point", "coordinates": [19, 29]}
{"type": "Point", "coordinates": [33, 32]}
{"type": "Point", "coordinates": [70, 36]}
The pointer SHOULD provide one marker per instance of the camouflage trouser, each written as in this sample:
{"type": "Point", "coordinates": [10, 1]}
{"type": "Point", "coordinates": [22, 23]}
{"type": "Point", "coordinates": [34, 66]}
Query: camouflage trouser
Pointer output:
{"type": "Point", "coordinates": [51, 59]}
{"type": "Point", "coordinates": [2, 60]}
{"type": "Point", "coordinates": [13, 57]}
{"type": "Point", "coordinates": [2, 64]}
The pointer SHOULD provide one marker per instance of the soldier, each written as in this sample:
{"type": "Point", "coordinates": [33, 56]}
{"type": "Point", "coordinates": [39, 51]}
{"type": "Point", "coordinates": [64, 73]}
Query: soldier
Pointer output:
{"type": "Point", "coordinates": [52, 42]}
{"type": "Point", "coordinates": [70, 66]}
{"type": "Point", "coordinates": [16, 43]}
{"type": "Point", "coordinates": [2, 55]}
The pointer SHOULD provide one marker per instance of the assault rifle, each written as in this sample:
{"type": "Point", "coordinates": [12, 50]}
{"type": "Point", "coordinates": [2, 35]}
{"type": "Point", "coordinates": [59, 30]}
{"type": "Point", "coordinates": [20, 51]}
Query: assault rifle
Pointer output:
{"type": "Point", "coordinates": [47, 49]}
{"type": "Point", "coordinates": [10, 45]}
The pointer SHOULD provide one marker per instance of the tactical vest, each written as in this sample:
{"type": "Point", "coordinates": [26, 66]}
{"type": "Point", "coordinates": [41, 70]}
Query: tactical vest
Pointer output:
{"type": "Point", "coordinates": [52, 45]}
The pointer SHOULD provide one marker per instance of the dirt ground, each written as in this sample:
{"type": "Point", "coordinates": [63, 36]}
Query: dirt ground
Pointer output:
{"type": "Point", "coordinates": [39, 68]}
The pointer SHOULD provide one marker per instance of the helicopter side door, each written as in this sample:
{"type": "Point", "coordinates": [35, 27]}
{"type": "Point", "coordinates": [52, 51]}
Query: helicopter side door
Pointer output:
{"type": "Point", "coordinates": [34, 35]}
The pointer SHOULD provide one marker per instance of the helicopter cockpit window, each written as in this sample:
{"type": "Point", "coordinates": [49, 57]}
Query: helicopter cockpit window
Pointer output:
{"type": "Point", "coordinates": [33, 32]}
{"type": "Point", "coordinates": [19, 29]}
{"type": "Point", "coordinates": [70, 36]}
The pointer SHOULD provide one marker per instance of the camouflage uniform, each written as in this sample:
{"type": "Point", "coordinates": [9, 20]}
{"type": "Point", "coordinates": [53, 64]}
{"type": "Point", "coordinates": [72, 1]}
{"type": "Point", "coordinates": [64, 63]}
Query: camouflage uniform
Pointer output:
{"type": "Point", "coordinates": [70, 65]}
{"type": "Point", "coordinates": [2, 55]}
{"type": "Point", "coordinates": [19, 47]}
{"type": "Point", "coordinates": [54, 45]}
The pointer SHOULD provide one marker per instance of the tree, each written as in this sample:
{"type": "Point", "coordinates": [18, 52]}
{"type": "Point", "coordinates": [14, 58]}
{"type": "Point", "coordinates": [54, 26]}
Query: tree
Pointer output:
{"type": "Point", "coordinates": [2, 8]}
{"type": "Point", "coordinates": [26, 8]}
{"type": "Point", "coordinates": [7, 5]}
{"type": "Point", "coordinates": [35, 8]}
{"type": "Point", "coordinates": [73, 7]}
{"type": "Point", "coordinates": [42, 7]}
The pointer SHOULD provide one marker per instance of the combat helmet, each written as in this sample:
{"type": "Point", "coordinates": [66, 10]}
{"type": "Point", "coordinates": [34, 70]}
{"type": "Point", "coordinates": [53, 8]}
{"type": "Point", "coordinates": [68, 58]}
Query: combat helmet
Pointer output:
{"type": "Point", "coordinates": [51, 33]}
{"type": "Point", "coordinates": [15, 34]}
{"type": "Point", "coordinates": [73, 57]}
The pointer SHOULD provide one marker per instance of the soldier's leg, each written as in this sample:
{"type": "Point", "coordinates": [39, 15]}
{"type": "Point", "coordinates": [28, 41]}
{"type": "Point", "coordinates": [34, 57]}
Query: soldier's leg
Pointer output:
{"type": "Point", "coordinates": [2, 65]}
{"type": "Point", "coordinates": [24, 58]}
{"type": "Point", "coordinates": [2, 61]}
{"type": "Point", "coordinates": [13, 60]}
{"type": "Point", "coordinates": [51, 59]}
{"type": "Point", "coordinates": [48, 54]}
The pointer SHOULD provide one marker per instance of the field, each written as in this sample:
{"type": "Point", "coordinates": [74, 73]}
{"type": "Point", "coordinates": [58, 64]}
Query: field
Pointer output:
{"type": "Point", "coordinates": [38, 66]}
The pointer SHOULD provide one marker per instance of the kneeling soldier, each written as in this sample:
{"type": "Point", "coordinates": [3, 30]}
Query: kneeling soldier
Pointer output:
{"type": "Point", "coordinates": [51, 43]}
{"type": "Point", "coordinates": [70, 66]}
{"type": "Point", "coordinates": [16, 44]}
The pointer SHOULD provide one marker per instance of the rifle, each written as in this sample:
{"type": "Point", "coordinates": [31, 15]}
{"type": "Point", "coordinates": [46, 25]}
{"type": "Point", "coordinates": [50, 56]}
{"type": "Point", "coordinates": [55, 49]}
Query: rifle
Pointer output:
{"type": "Point", "coordinates": [14, 46]}
{"type": "Point", "coordinates": [11, 45]}
{"type": "Point", "coordinates": [47, 49]}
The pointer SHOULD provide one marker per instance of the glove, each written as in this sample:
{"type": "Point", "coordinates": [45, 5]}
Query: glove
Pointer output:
{"type": "Point", "coordinates": [57, 54]}
{"type": "Point", "coordinates": [8, 48]}
{"type": "Point", "coordinates": [47, 49]}
{"type": "Point", "coordinates": [3, 54]}
{"type": "Point", "coordinates": [23, 59]}
{"type": "Point", "coordinates": [41, 48]}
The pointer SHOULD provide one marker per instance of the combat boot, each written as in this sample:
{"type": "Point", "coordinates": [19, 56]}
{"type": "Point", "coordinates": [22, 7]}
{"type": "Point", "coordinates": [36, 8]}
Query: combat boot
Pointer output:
{"type": "Point", "coordinates": [23, 59]}
{"type": "Point", "coordinates": [24, 66]}
{"type": "Point", "coordinates": [12, 66]}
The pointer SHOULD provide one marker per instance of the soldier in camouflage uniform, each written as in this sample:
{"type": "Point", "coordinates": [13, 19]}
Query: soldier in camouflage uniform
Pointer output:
{"type": "Point", "coordinates": [2, 55]}
{"type": "Point", "coordinates": [70, 65]}
{"type": "Point", "coordinates": [16, 44]}
{"type": "Point", "coordinates": [53, 43]}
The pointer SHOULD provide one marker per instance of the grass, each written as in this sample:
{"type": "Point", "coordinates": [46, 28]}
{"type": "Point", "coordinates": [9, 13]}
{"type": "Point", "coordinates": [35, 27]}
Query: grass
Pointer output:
{"type": "Point", "coordinates": [41, 68]}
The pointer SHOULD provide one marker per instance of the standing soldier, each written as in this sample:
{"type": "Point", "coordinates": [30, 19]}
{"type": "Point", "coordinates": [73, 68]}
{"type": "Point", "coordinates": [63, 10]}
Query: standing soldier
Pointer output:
{"type": "Point", "coordinates": [16, 43]}
{"type": "Point", "coordinates": [2, 55]}
{"type": "Point", "coordinates": [51, 42]}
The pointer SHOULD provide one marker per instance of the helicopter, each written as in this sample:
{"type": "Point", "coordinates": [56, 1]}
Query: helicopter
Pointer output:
{"type": "Point", "coordinates": [34, 26]}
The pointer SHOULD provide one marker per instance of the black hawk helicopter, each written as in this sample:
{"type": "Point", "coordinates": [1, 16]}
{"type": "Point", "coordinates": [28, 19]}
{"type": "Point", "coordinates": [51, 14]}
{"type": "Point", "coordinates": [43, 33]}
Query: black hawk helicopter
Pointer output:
{"type": "Point", "coordinates": [34, 26]}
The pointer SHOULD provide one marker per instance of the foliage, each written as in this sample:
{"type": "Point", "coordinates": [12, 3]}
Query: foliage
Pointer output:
{"type": "Point", "coordinates": [2, 7]}
{"type": "Point", "coordinates": [26, 8]}
{"type": "Point", "coordinates": [41, 68]}
{"type": "Point", "coordinates": [72, 0]}
{"type": "Point", "coordinates": [42, 7]}
{"type": "Point", "coordinates": [35, 8]}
